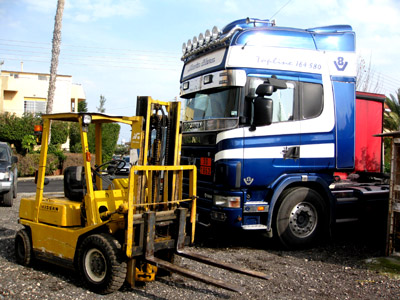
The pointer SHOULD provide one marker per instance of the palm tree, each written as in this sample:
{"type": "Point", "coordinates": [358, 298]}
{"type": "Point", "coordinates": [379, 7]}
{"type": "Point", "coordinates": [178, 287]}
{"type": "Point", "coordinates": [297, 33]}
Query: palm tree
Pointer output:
{"type": "Point", "coordinates": [391, 120]}
{"type": "Point", "coordinates": [55, 52]}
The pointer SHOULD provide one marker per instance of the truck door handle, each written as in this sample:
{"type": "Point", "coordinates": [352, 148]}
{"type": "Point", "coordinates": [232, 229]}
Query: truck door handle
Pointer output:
{"type": "Point", "coordinates": [291, 152]}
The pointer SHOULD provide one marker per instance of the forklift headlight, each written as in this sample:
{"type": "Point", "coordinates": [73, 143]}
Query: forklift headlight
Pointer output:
{"type": "Point", "coordinates": [86, 120]}
{"type": "Point", "coordinates": [226, 201]}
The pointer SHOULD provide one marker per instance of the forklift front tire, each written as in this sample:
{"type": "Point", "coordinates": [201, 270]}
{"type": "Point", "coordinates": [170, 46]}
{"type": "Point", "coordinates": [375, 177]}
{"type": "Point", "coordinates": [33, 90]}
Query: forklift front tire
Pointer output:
{"type": "Point", "coordinates": [101, 264]}
{"type": "Point", "coordinates": [23, 248]}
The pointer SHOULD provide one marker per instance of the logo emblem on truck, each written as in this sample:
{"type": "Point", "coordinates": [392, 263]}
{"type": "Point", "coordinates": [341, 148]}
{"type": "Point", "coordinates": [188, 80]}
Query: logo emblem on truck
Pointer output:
{"type": "Point", "coordinates": [340, 64]}
{"type": "Point", "coordinates": [248, 180]}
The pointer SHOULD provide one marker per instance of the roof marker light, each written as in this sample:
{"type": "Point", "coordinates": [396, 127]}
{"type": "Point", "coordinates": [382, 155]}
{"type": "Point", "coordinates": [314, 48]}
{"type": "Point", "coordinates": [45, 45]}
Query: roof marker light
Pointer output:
{"type": "Point", "coordinates": [189, 45]}
{"type": "Point", "coordinates": [207, 36]}
{"type": "Point", "coordinates": [194, 41]}
{"type": "Point", "coordinates": [201, 39]}
{"type": "Point", "coordinates": [215, 33]}
{"type": "Point", "coordinates": [184, 47]}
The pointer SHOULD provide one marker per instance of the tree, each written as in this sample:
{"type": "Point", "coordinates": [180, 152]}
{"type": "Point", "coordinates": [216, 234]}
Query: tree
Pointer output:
{"type": "Point", "coordinates": [102, 109]}
{"type": "Point", "coordinates": [365, 77]}
{"type": "Point", "coordinates": [109, 138]}
{"type": "Point", "coordinates": [391, 120]}
{"type": "Point", "coordinates": [55, 52]}
{"type": "Point", "coordinates": [82, 106]}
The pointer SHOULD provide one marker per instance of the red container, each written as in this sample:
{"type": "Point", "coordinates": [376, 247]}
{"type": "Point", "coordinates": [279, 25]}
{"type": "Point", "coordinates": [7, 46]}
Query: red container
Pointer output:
{"type": "Point", "coordinates": [369, 121]}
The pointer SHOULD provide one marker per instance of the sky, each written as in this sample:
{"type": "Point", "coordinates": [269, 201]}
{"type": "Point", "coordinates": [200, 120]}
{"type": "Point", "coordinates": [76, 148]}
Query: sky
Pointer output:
{"type": "Point", "coordinates": [122, 49]}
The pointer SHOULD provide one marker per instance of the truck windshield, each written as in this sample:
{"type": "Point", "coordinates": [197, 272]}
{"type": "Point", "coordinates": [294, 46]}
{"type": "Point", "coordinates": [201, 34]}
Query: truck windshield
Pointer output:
{"type": "Point", "coordinates": [213, 104]}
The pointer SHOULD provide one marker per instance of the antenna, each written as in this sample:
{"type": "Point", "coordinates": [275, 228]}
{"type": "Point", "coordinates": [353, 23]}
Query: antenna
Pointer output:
{"type": "Point", "coordinates": [280, 9]}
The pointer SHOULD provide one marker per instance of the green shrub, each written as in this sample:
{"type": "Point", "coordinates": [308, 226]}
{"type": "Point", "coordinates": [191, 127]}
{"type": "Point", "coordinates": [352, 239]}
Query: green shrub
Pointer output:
{"type": "Point", "coordinates": [59, 132]}
{"type": "Point", "coordinates": [28, 142]}
{"type": "Point", "coordinates": [28, 164]}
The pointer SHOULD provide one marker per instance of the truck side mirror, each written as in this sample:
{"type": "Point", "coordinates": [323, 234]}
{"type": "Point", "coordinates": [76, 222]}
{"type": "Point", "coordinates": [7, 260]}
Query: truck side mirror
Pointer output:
{"type": "Point", "coordinates": [265, 90]}
{"type": "Point", "coordinates": [262, 112]}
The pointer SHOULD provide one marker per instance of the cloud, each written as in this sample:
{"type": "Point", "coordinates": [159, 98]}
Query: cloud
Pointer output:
{"type": "Point", "coordinates": [92, 10]}
{"type": "Point", "coordinates": [43, 6]}
{"type": "Point", "coordinates": [232, 6]}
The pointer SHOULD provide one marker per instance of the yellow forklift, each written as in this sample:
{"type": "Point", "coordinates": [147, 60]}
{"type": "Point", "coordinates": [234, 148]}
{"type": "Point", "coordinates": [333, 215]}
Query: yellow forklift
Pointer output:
{"type": "Point", "coordinates": [114, 230]}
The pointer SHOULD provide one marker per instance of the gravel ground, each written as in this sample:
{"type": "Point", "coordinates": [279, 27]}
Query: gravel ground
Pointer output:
{"type": "Point", "coordinates": [334, 270]}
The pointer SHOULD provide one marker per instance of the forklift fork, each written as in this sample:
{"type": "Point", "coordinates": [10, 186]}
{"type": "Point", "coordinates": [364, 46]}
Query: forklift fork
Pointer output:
{"type": "Point", "coordinates": [180, 244]}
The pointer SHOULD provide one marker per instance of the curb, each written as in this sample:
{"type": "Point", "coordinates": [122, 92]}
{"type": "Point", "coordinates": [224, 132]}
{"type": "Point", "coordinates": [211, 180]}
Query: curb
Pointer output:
{"type": "Point", "coordinates": [33, 194]}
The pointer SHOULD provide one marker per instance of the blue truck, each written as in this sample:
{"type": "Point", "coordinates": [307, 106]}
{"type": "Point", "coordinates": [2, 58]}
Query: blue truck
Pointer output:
{"type": "Point", "coordinates": [270, 122]}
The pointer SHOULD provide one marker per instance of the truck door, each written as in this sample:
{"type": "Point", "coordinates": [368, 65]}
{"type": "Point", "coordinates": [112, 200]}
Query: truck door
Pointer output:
{"type": "Point", "coordinates": [273, 150]}
{"type": "Point", "coordinates": [316, 115]}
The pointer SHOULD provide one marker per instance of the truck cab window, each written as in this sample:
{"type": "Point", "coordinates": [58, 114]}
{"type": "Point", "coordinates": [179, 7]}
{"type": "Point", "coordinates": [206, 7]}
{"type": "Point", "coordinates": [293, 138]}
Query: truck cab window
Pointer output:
{"type": "Point", "coordinates": [312, 100]}
{"type": "Point", "coordinates": [283, 101]}
{"type": "Point", "coordinates": [212, 104]}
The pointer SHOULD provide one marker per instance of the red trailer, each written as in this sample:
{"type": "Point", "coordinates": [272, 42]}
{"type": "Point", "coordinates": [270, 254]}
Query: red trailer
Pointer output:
{"type": "Point", "coordinates": [369, 122]}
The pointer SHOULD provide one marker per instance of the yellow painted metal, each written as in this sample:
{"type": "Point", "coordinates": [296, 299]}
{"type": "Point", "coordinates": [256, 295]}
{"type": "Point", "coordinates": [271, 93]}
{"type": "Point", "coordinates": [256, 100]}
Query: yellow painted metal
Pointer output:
{"type": "Point", "coordinates": [99, 152]}
{"type": "Point", "coordinates": [134, 187]}
{"type": "Point", "coordinates": [54, 211]}
{"type": "Point", "coordinates": [57, 241]}
{"type": "Point", "coordinates": [56, 222]}
{"type": "Point", "coordinates": [42, 168]}
{"type": "Point", "coordinates": [193, 194]}
{"type": "Point", "coordinates": [89, 199]}
{"type": "Point", "coordinates": [145, 273]}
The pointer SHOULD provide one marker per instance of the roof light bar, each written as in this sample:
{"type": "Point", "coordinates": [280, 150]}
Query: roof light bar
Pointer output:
{"type": "Point", "coordinates": [202, 42]}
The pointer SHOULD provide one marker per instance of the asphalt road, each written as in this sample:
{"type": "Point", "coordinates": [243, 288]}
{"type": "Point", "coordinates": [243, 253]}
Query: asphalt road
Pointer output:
{"type": "Point", "coordinates": [56, 184]}
{"type": "Point", "coordinates": [29, 186]}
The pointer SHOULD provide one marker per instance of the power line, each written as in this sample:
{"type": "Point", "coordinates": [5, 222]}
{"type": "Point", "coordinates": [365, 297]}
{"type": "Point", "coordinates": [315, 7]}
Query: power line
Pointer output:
{"type": "Point", "coordinates": [280, 9]}
{"type": "Point", "coordinates": [142, 59]}
{"type": "Point", "coordinates": [78, 47]}
{"type": "Point", "coordinates": [98, 65]}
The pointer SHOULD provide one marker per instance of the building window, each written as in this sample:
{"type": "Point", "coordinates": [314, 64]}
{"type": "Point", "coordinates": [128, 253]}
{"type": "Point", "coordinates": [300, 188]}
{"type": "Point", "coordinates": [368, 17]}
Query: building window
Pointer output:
{"type": "Point", "coordinates": [34, 107]}
{"type": "Point", "coordinates": [73, 105]}
{"type": "Point", "coordinates": [9, 95]}
{"type": "Point", "coordinates": [42, 77]}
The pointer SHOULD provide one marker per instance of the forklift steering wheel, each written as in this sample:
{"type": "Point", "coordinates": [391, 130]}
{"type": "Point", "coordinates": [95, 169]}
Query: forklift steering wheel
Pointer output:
{"type": "Point", "coordinates": [110, 170]}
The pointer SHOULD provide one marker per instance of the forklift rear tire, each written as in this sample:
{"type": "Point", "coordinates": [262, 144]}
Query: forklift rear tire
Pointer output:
{"type": "Point", "coordinates": [101, 264]}
{"type": "Point", "coordinates": [23, 248]}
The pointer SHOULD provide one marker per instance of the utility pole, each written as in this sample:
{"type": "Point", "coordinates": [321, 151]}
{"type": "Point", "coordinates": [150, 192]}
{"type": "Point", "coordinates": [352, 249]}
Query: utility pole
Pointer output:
{"type": "Point", "coordinates": [55, 52]}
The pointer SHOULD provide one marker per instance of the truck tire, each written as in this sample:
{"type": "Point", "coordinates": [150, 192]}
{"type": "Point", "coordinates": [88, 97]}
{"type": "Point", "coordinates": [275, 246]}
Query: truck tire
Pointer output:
{"type": "Point", "coordinates": [8, 197]}
{"type": "Point", "coordinates": [23, 248]}
{"type": "Point", "coordinates": [101, 264]}
{"type": "Point", "coordinates": [301, 217]}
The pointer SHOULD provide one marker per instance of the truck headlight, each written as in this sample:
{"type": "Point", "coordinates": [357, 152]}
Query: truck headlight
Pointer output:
{"type": "Point", "coordinates": [226, 201]}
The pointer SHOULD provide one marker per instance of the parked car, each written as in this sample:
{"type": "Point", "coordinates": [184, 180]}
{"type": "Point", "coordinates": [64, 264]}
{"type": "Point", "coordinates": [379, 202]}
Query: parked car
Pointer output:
{"type": "Point", "coordinates": [8, 175]}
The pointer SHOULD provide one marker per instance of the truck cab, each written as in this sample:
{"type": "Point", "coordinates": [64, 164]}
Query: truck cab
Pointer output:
{"type": "Point", "coordinates": [269, 118]}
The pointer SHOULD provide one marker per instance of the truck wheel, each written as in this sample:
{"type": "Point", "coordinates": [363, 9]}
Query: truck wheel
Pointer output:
{"type": "Point", "coordinates": [300, 218]}
{"type": "Point", "coordinates": [23, 248]}
{"type": "Point", "coordinates": [8, 198]}
{"type": "Point", "coordinates": [101, 264]}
